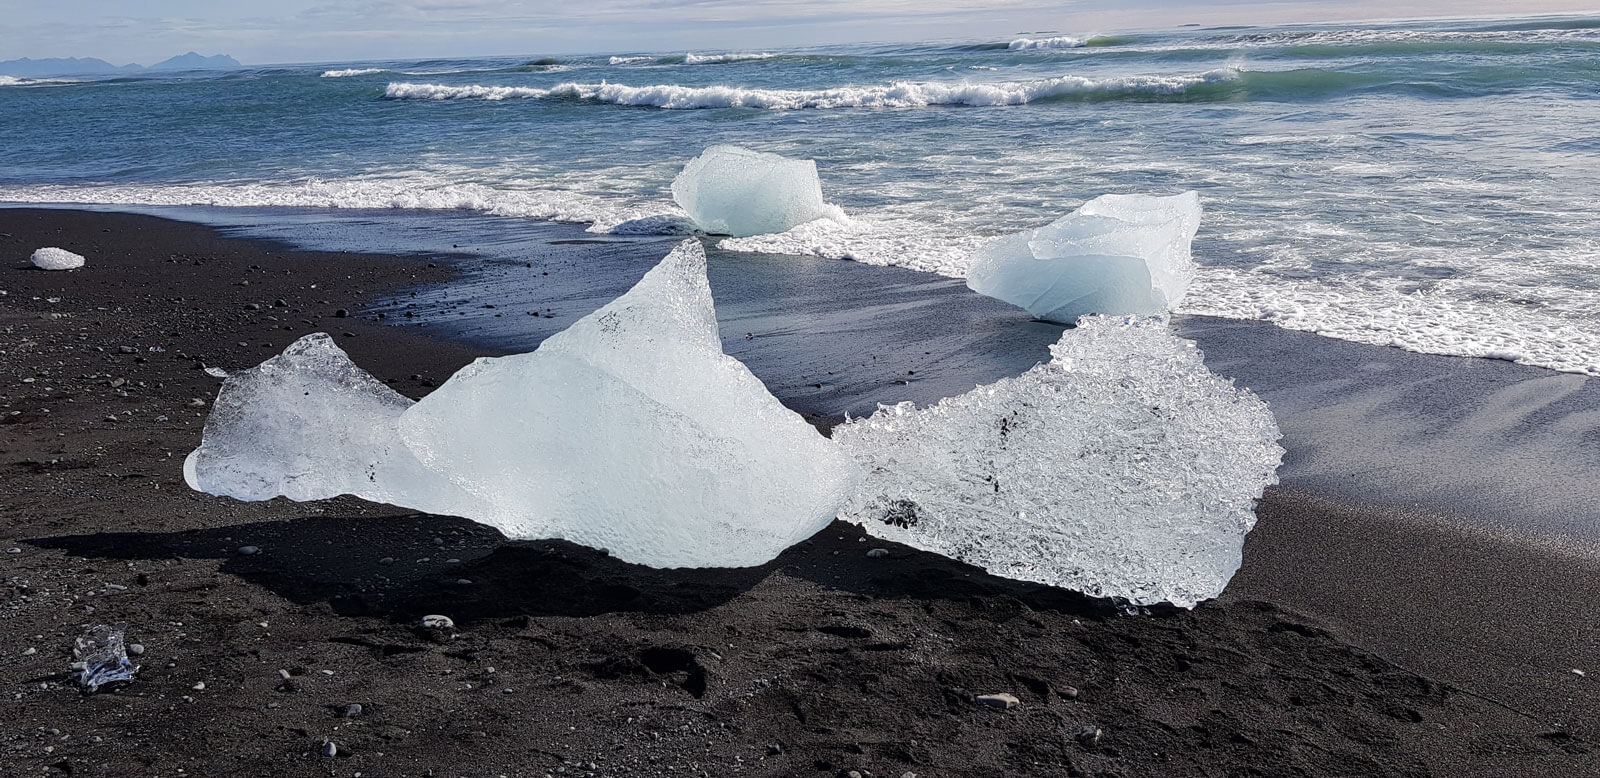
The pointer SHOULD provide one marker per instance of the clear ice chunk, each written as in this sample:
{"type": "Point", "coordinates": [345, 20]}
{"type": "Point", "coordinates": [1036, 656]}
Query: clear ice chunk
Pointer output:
{"type": "Point", "coordinates": [309, 424]}
{"type": "Point", "coordinates": [99, 657]}
{"type": "Point", "coordinates": [630, 431]}
{"type": "Point", "coordinates": [729, 190]}
{"type": "Point", "coordinates": [1121, 468]}
{"type": "Point", "coordinates": [633, 431]}
{"type": "Point", "coordinates": [1116, 255]}
{"type": "Point", "coordinates": [52, 258]}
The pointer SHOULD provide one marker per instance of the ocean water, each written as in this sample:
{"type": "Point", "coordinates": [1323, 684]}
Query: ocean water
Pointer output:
{"type": "Point", "coordinates": [1426, 185]}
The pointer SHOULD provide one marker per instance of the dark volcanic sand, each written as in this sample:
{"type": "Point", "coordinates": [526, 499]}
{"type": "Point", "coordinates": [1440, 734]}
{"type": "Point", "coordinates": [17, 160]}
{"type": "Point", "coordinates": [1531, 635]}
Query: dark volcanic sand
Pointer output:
{"type": "Point", "coordinates": [569, 662]}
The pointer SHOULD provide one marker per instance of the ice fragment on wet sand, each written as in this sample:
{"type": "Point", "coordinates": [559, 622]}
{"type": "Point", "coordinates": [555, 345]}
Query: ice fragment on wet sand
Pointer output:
{"type": "Point", "coordinates": [632, 431]}
{"type": "Point", "coordinates": [52, 258]}
{"type": "Point", "coordinates": [308, 424]}
{"type": "Point", "coordinates": [99, 657]}
{"type": "Point", "coordinates": [1121, 468]}
{"type": "Point", "coordinates": [629, 431]}
{"type": "Point", "coordinates": [729, 190]}
{"type": "Point", "coordinates": [1116, 255]}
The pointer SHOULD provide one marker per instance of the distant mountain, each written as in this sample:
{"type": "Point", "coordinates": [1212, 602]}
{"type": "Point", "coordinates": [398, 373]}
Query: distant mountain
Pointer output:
{"type": "Point", "coordinates": [83, 66]}
{"type": "Point", "coordinates": [193, 61]}
{"type": "Point", "coordinates": [61, 66]}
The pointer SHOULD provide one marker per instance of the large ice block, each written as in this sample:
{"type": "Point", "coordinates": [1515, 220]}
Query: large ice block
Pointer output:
{"type": "Point", "coordinates": [729, 190]}
{"type": "Point", "coordinates": [632, 431]}
{"type": "Point", "coordinates": [309, 424]}
{"type": "Point", "coordinates": [1116, 255]}
{"type": "Point", "coordinates": [629, 431]}
{"type": "Point", "coordinates": [1121, 468]}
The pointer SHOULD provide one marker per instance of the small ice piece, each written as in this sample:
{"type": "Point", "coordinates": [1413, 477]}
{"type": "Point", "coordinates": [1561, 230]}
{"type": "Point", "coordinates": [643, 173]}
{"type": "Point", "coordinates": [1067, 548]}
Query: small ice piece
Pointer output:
{"type": "Point", "coordinates": [52, 258]}
{"type": "Point", "coordinates": [99, 657]}
{"type": "Point", "coordinates": [308, 424]}
{"type": "Point", "coordinates": [1122, 468]}
{"type": "Point", "coordinates": [216, 372]}
{"type": "Point", "coordinates": [1116, 255]}
{"type": "Point", "coordinates": [729, 190]}
{"type": "Point", "coordinates": [632, 431]}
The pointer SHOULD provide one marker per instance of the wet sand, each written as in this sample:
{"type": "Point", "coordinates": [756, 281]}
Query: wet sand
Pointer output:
{"type": "Point", "coordinates": [1360, 638]}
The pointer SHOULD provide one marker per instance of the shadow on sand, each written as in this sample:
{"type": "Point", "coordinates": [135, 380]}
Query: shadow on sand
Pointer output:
{"type": "Point", "coordinates": [402, 567]}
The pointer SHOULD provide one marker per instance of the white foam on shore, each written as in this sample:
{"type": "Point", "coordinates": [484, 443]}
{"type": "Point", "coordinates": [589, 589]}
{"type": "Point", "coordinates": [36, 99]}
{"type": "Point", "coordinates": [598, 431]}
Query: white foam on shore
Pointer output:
{"type": "Point", "coordinates": [1559, 330]}
{"type": "Point", "coordinates": [352, 72]}
{"type": "Point", "coordinates": [902, 94]}
{"type": "Point", "coordinates": [1057, 42]}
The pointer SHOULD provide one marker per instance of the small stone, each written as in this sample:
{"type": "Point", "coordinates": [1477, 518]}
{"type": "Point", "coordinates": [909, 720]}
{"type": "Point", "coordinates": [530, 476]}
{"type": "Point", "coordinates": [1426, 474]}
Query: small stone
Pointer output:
{"type": "Point", "coordinates": [1088, 736]}
{"type": "Point", "coordinates": [117, 383]}
{"type": "Point", "coordinates": [342, 313]}
{"type": "Point", "coordinates": [509, 690]}
{"type": "Point", "coordinates": [197, 403]}
{"type": "Point", "coordinates": [330, 749]}
{"type": "Point", "coordinates": [463, 582]}
{"type": "Point", "coordinates": [30, 651]}
{"type": "Point", "coordinates": [199, 687]}
{"type": "Point", "coordinates": [135, 649]}
{"type": "Point", "coordinates": [1003, 701]}
{"type": "Point", "coordinates": [249, 550]}
{"type": "Point", "coordinates": [252, 307]}
{"type": "Point", "coordinates": [126, 350]}
{"type": "Point", "coordinates": [1069, 692]}
{"type": "Point", "coordinates": [878, 553]}
{"type": "Point", "coordinates": [352, 710]}
{"type": "Point", "coordinates": [279, 303]}
{"type": "Point", "coordinates": [388, 560]}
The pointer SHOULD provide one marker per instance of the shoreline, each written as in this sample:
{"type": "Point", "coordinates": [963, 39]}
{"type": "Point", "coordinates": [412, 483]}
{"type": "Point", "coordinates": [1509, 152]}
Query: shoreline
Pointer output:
{"type": "Point", "coordinates": [841, 665]}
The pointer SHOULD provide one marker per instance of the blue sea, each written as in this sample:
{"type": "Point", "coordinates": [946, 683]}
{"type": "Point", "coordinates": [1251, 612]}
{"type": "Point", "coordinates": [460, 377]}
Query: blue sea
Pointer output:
{"type": "Point", "coordinates": [1427, 185]}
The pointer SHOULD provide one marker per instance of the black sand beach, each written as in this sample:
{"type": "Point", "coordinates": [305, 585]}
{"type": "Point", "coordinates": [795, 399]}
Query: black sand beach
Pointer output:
{"type": "Point", "coordinates": [1371, 631]}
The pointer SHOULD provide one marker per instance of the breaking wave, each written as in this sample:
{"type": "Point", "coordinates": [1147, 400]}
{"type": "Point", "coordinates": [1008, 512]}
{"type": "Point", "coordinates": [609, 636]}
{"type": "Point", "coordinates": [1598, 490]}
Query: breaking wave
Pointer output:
{"type": "Point", "coordinates": [904, 94]}
{"type": "Point", "coordinates": [351, 72]}
{"type": "Point", "coordinates": [712, 59]}
{"type": "Point", "coordinates": [1058, 42]}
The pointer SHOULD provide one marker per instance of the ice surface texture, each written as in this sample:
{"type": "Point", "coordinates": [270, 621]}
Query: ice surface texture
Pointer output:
{"type": "Point", "coordinates": [729, 190]}
{"type": "Point", "coordinates": [1116, 255]}
{"type": "Point", "coordinates": [99, 657]}
{"type": "Point", "coordinates": [52, 258]}
{"type": "Point", "coordinates": [629, 431]}
{"type": "Point", "coordinates": [1121, 468]}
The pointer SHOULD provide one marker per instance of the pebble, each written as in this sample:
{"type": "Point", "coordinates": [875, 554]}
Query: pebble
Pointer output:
{"type": "Point", "coordinates": [197, 403]}
{"type": "Point", "coordinates": [352, 710]}
{"type": "Point", "coordinates": [126, 349]}
{"type": "Point", "coordinates": [330, 749]}
{"type": "Point", "coordinates": [252, 307]}
{"type": "Point", "coordinates": [135, 649]}
{"type": "Point", "coordinates": [1002, 701]}
{"type": "Point", "coordinates": [249, 550]}
{"type": "Point", "coordinates": [29, 651]}
{"type": "Point", "coordinates": [388, 560]}
{"type": "Point", "coordinates": [1069, 692]}
{"type": "Point", "coordinates": [341, 314]}
{"type": "Point", "coordinates": [1088, 735]}
{"type": "Point", "coordinates": [878, 553]}
{"type": "Point", "coordinates": [463, 582]}
{"type": "Point", "coordinates": [199, 687]}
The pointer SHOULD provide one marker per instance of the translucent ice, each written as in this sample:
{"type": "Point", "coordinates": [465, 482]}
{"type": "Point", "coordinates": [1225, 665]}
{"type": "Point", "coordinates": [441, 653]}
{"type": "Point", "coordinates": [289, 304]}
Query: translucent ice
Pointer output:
{"type": "Point", "coordinates": [52, 258]}
{"type": "Point", "coordinates": [99, 657]}
{"type": "Point", "coordinates": [1121, 468]}
{"type": "Point", "coordinates": [308, 424]}
{"type": "Point", "coordinates": [729, 190]}
{"type": "Point", "coordinates": [629, 431]}
{"type": "Point", "coordinates": [632, 431]}
{"type": "Point", "coordinates": [1117, 255]}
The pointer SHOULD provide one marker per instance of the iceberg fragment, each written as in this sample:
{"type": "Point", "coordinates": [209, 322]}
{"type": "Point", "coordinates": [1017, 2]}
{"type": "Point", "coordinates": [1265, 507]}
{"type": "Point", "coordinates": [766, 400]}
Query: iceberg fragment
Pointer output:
{"type": "Point", "coordinates": [729, 190]}
{"type": "Point", "coordinates": [52, 258]}
{"type": "Point", "coordinates": [1121, 468]}
{"type": "Point", "coordinates": [1116, 255]}
{"type": "Point", "coordinates": [99, 657]}
{"type": "Point", "coordinates": [630, 431]}
{"type": "Point", "coordinates": [309, 424]}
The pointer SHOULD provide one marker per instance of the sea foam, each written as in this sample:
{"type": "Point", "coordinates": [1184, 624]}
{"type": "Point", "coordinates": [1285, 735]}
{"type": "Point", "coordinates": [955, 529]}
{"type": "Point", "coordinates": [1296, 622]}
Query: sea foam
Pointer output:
{"type": "Point", "coordinates": [351, 72]}
{"type": "Point", "coordinates": [1058, 42]}
{"type": "Point", "coordinates": [900, 94]}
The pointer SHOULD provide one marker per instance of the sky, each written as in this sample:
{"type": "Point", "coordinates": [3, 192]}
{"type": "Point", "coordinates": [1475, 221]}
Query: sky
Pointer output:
{"type": "Point", "coordinates": [287, 31]}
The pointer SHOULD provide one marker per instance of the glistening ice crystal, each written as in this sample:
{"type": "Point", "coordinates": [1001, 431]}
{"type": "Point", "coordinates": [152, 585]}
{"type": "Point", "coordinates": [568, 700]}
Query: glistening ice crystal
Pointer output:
{"type": "Point", "coordinates": [1122, 468]}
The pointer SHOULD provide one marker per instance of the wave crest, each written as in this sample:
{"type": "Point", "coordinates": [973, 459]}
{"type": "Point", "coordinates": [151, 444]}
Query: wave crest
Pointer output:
{"type": "Point", "coordinates": [903, 94]}
{"type": "Point", "coordinates": [1058, 42]}
{"type": "Point", "coordinates": [348, 72]}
